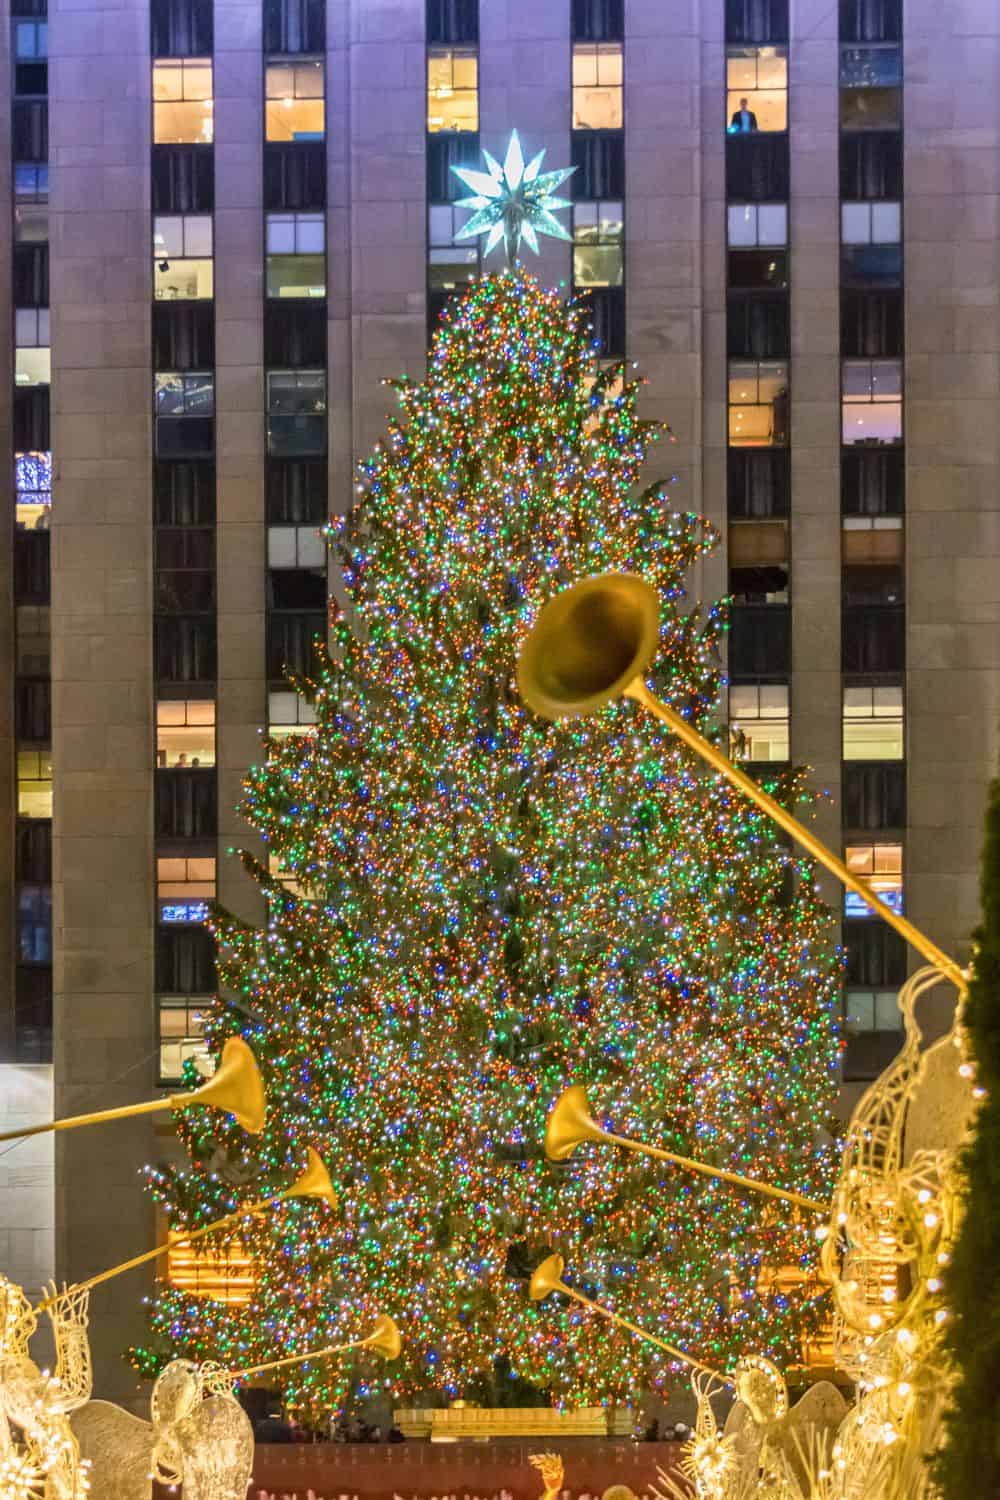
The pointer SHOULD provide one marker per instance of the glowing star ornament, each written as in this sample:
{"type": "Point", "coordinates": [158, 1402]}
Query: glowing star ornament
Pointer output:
{"type": "Point", "coordinates": [513, 202]}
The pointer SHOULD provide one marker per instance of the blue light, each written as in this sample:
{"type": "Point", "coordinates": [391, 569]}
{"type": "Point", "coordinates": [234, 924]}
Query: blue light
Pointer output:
{"type": "Point", "coordinates": [173, 913]}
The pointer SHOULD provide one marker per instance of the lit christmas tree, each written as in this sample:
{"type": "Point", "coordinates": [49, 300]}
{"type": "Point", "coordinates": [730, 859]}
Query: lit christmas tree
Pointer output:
{"type": "Point", "coordinates": [484, 907]}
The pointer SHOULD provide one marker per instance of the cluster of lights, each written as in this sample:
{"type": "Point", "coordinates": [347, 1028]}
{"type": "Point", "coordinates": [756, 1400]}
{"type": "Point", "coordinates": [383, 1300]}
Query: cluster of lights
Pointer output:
{"type": "Point", "coordinates": [484, 907]}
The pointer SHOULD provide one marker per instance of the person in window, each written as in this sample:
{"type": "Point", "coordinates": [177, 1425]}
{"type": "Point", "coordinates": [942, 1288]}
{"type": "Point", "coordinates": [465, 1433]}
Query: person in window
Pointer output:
{"type": "Point", "coordinates": [744, 120]}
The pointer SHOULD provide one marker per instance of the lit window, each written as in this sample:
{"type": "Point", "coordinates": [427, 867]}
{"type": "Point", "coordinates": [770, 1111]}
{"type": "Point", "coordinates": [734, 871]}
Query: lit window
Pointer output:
{"type": "Point", "coordinates": [871, 95]}
{"type": "Point", "coordinates": [870, 223]}
{"type": "Point", "coordinates": [31, 182]}
{"type": "Point", "coordinates": [31, 40]}
{"type": "Point", "coordinates": [758, 404]}
{"type": "Point", "coordinates": [872, 401]}
{"type": "Point", "coordinates": [34, 783]}
{"type": "Point", "coordinates": [296, 412]}
{"type": "Point", "coordinates": [288, 714]}
{"type": "Point", "coordinates": [597, 87]}
{"type": "Point", "coordinates": [184, 394]}
{"type": "Point", "coordinates": [295, 107]}
{"type": "Point", "coordinates": [31, 330]}
{"type": "Point", "coordinates": [182, 101]}
{"type": "Point", "coordinates": [880, 867]}
{"type": "Point", "coordinates": [758, 721]}
{"type": "Point", "coordinates": [33, 481]}
{"type": "Point", "coordinates": [873, 723]}
{"type": "Point", "coordinates": [34, 924]}
{"type": "Point", "coordinates": [756, 89]}
{"type": "Point", "coordinates": [757, 224]}
{"type": "Point", "coordinates": [182, 257]}
{"type": "Point", "coordinates": [452, 90]}
{"type": "Point", "coordinates": [33, 366]}
{"type": "Point", "coordinates": [185, 733]}
{"type": "Point", "coordinates": [597, 244]}
{"type": "Point", "coordinates": [182, 1038]}
{"type": "Point", "coordinates": [873, 1010]}
{"type": "Point", "coordinates": [296, 261]}
{"type": "Point", "coordinates": [184, 887]}
{"type": "Point", "coordinates": [295, 547]}
{"type": "Point", "coordinates": [451, 264]}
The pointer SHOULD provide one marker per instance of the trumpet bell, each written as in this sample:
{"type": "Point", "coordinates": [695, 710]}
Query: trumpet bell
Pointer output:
{"type": "Point", "coordinates": [570, 1124]}
{"type": "Point", "coordinates": [236, 1086]}
{"type": "Point", "coordinates": [385, 1338]}
{"type": "Point", "coordinates": [547, 1278]}
{"type": "Point", "coordinates": [314, 1182]}
{"type": "Point", "coordinates": [588, 644]}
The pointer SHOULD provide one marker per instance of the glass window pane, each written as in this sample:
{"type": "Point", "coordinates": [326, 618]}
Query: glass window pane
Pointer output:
{"type": "Point", "coordinates": [741, 70]}
{"type": "Point", "coordinates": [887, 702]}
{"type": "Point", "coordinates": [742, 221]}
{"type": "Point", "coordinates": [860, 1010]}
{"type": "Point", "coordinates": [855, 223]}
{"type": "Point", "coordinates": [198, 235]}
{"type": "Point", "coordinates": [609, 66]}
{"type": "Point", "coordinates": [33, 366]}
{"type": "Point", "coordinates": [886, 224]}
{"type": "Point", "coordinates": [309, 81]}
{"type": "Point", "coordinates": [772, 224]}
{"type": "Point", "coordinates": [879, 423]}
{"type": "Point", "coordinates": [584, 67]}
{"type": "Point", "coordinates": [856, 379]}
{"type": "Point", "coordinates": [743, 701]}
{"type": "Point", "coordinates": [183, 123]}
{"type": "Point", "coordinates": [439, 224]}
{"type": "Point", "coordinates": [465, 71]}
{"type": "Point", "coordinates": [197, 80]}
{"type": "Point", "coordinates": [598, 265]}
{"type": "Point", "coordinates": [168, 80]}
{"type": "Point", "coordinates": [888, 1016]}
{"type": "Point", "coordinates": [168, 235]}
{"type": "Point", "coordinates": [182, 280]}
{"type": "Point", "coordinates": [294, 119]}
{"type": "Point", "coordinates": [310, 234]}
{"type": "Point", "coordinates": [597, 109]}
{"type": "Point", "coordinates": [281, 234]}
{"type": "Point", "coordinates": [296, 276]}
{"type": "Point", "coordinates": [887, 379]}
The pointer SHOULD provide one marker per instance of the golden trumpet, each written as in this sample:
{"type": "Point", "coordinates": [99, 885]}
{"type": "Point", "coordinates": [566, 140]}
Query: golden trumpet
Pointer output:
{"type": "Point", "coordinates": [593, 642]}
{"type": "Point", "coordinates": [547, 1278]}
{"type": "Point", "coordinates": [384, 1339]}
{"type": "Point", "coordinates": [571, 1123]}
{"type": "Point", "coordinates": [235, 1086]}
{"type": "Point", "coordinates": [314, 1182]}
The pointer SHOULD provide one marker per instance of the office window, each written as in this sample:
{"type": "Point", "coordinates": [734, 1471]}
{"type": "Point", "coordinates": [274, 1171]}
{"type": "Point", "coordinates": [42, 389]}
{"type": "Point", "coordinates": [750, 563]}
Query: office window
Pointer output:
{"type": "Point", "coordinates": [30, 130]}
{"type": "Point", "coordinates": [452, 90]}
{"type": "Point", "coordinates": [184, 569]}
{"type": "Point", "coordinates": [295, 175]}
{"type": "Point", "coordinates": [34, 783]}
{"type": "Point", "coordinates": [33, 366]}
{"type": "Point", "coordinates": [185, 961]}
{"type": "Point", "coordinates": [871, 323]}
{"type": "Point", "coordinates": [184, 649]}
{"type": "Point", "coordinates": [183, 180]}
{"type": "Point", "coordinates": [185, 883]}
{"type": "Point", "coordinates": [291, 642]}
{"type": "Point", "coordinates": [872, 1010]}
{"type": "Point", "coordinates": [182, 101]}
{"type": "Point", "coordinates": [184, 393]}
{"type": "Point", "coordinates": [296, 412]}
{"type": "Point", "coordinates": [757, 224]}
{"type": "Point", "coordinates": [871, 94]}
{"type": "Point", "coordinates": [31, 275]}
{"type": "Point", "coordinates": [758, 721]}
{"type": "Point", "coordinates": [181, 28]}
{"type": "Point", "coordinates": [183, 493]}
{"type": "Point", "coordinates": [757, 167]}
{"type": "Point", "coordinates": [871, 20]}
{"type": "Point", "coordinates": [296, 490]}
{"type": "Point", "coordinates": [756, 20]}
{"type": "Point", "coordinates": [294, 108]}
{"type": "Point", "coordinates": [872, 401]}
{"type": "Point", "coordinates": [295, 547]}
{"type": "Point", "coordinates": [872, 585]}
{"type": "Point", "coordinates": [294, 336]}
{"type": "Point", "coordinates": [34, 924]}
{"type": "Point", "coordinates": [183, 340]}
{"type": "Point", "coordinates": [880, 867]}
{"type": "Point", "coordinates": [185, 804]}
{"type": "Point", "coordinates": [598, 158]}
{"type": "Point", "coordinates": [296, 255]}
{"type": "Point", "coordinates": [760, 643]}
{"type": "Point", "coordinates": [185, 733]}
{"type": "Point", "coordinates": [758, 403]}
{"type": "Point", "coordinates": [758, 483]}
{"type": "Point", "coordinates": [31, 40]}
{"type": "Point", "coordinates": [33, 851]}
{"type": "Point", "coordinates": [758, 270]}
{"type": "Point", "coordinates": [598, 20]}
{"type": "Point", "coordinates": [873, 723]}
{"type": "Point", "coordinates": [182, 256]}
{"type": "Point", "coordinates": [292, 26]}
{"type": "Point", "coordinates": [757, 327]}
{"type": "Point", "coordinates": [871, 167]}
{"type": "Point", "coordinates": [872, 483]}
{"type": "Point", "coordinates": [31, 190]}
{"type": "Point", "coordinates": [598, 252]}
{"type": "Point", "coordinates": [31, 330]}
{"type": "Point", "coordinates": [868, 223]}
{"type": "Point", "coordinates": [756, 89]}
{"type": "Point", "coordinates": [445, 150]}
{"type": "Point", "coordinates": [452, 21]}
{"type": "Point", "coordinates": [450, 264]}
{"type": "Point", "coordinates": [288, 714]}
{"type": "Point", "coordinates": [874, 795]}
{"type": "Point", "coordinates": [181, 1038]}
{"type": "Point", "coordinates": [31, 222]}
{"type": "Point", "coordinates": [597, 86]}
{"type": "Point", "coordinates": [873, 640]}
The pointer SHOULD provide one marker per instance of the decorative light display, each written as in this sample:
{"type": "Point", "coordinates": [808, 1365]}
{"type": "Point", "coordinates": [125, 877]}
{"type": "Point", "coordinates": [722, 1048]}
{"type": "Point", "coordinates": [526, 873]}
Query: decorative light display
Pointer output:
{"type": "Point", "coordinates": [513, 202]}
{"type": "Point", "coordinates": [485, 907]}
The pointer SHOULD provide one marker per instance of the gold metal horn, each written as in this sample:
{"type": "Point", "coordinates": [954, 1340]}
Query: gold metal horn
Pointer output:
{"type": "Point", "coordinates": [570, 1124]}
{"type": "Point", "coordinates": [235, 1086]}
{"type": "Point", "coordinates": [593, 642]}
{"type": "Point", "coordinates": [314, 1182]}
{"type": "Point", "coordinates": [547, 1278]}
{"type": "Point", "coordinates": [384, 1339]}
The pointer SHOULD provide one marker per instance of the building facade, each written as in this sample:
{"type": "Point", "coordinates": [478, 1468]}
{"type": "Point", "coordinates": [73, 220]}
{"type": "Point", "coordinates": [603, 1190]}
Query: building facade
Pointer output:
{"type": "Point", "coordinates": [229, 222]}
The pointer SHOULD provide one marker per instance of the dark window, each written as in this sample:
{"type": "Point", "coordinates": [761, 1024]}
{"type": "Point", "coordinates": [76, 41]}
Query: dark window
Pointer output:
{"type": "Point", "coordinates": [871, 167]}
{"type": "Point", "coordinates": [874, 795]}
{"type": "Point", "coordinates": [295, 332]}
{"type": "Point", "coordinates": [33, 709]}
{"type": "Point", "coordinates": [437, 302]}
{"type": "Point", "coordinates": [871, 20]}
{"type": "Point", "coordinates": [598, 20]}
{"type": "Point", "coordinates": [34, 924]}
{"type": "Point", "coordinates": [29, 7]}
{"type": "Point", "coordinates": [872, 482]}
{"type": "Point", "coordinates": [183, 335]}
{"type": "Point", "coordinates": [757, 168]}
{"type": "Point", "coordinates": [184, 648]}
{"type": "Point", "coordinates": [605, 309]}
{"type": "Point", "coordinates": [872, 585]}
{"type": "Point", "coordinates": [871, 324]}
{"type": "Point", "coordinates": [871, 265]}
{"type": "Point", "coordinates": [291, 642]}
{"type": "Point", "coordinates": [756, 20]}
{"type": "Point", "coordinates": [31, 567]}
{"type": "Point", "coordinates": [30, 131]}
{"type": "Point", "coordinates": [31, 79]}
{"type": "Point", "coordinates": [452, 21]}
{"type": "Point", "coordinates": [760, 641]}
{"type": "Point", "coordinates": [296, 589]}
{"type": "Point", "coordinates": [181, 28]}
{"type": "Point", "coordinates": [599, 159]}
{"type": "Point", "coordinates": [758, 268]}
{"type": "Point", "coordinates": [296, 491]}
{"type": "Point", "coordinates": [185, 437]}
{"type": "Point", "coordinates": [31, 419]}
{"type": "Point", "coordinates": [33, 1013]}
{"type": "Point", "coordinates": [295, 175]}
{"type": "Point", "coordinates": [186, 804]}
{"type": "Point", "coordinates": [757, 327]}
{"type": "Point", "coordinates": [31, 274]}
{"type": "Point", "coordinates": [447, 149]}
{"type": "Point", "coordinates": [876, 955]}
{"type": "Point", "coordinates": [184, 494]}
{"type": "Point", "coordinates": [753, 584]}
{"type": "Point", "coordinates": [183, 180]}
{"type": "Point", "coordinates": [185, 569]}
{"type": "Point", "coordinates": [294, 26]}
{"type": "Point", "coordinates": [873, 639]}
{"type": "Point", "coordinates": [296, 413]}
{"type": "Point", "coordinates": [34, 850]}
{"type": "Point", "coordinates": [185, 961]}
{"type": "Point", "coordinates": [758, 483]}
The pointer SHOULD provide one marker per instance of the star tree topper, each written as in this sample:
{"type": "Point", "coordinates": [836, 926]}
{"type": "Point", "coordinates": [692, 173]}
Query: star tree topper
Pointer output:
{"type": "Point", "coordinates": [513, 202]}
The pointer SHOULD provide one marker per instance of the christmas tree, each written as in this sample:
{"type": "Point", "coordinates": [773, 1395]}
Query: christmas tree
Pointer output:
{"type": "Point", "coordinates": [474, 908]}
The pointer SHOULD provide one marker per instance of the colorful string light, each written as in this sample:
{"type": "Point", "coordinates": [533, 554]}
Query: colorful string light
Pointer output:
{"type": "Point", "coordinates": [484, 907]}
